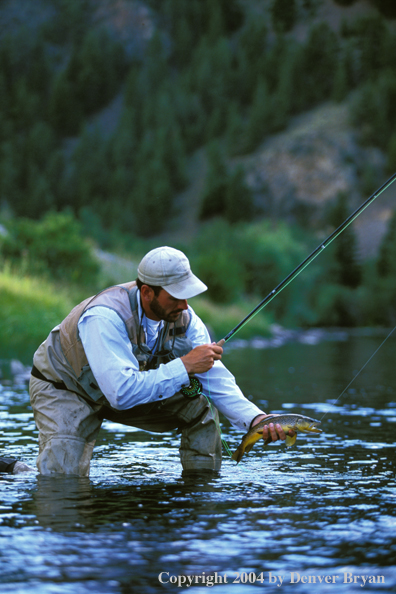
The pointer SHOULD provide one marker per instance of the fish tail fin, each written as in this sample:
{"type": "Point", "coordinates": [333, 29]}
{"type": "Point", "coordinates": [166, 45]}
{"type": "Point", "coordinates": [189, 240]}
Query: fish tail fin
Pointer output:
{"type": "Point", "coordinates": [237, 455]}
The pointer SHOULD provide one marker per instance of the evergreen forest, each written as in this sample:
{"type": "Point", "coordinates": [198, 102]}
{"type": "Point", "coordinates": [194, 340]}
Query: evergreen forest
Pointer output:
{"type": "Point", "coordinates": [216, 76]}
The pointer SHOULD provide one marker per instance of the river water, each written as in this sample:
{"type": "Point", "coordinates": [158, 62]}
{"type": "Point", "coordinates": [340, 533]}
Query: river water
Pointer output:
{"type": "Point", "coordinates": [317, 517]}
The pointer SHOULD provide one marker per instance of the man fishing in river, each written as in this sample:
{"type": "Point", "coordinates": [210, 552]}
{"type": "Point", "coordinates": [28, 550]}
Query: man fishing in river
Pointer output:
{"type": "Point", "coordinates": [136, 354]}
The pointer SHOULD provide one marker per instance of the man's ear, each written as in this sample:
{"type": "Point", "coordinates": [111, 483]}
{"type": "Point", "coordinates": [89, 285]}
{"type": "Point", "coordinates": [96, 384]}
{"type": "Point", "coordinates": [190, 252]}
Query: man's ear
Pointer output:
{"type": "Point", "coordinates": [146, 294]}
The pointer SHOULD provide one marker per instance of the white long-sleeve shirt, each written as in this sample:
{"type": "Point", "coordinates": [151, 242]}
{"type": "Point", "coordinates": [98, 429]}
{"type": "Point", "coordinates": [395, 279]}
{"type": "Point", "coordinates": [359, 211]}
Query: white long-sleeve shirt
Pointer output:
{"type": "Point", "coordinates": [116, 369]}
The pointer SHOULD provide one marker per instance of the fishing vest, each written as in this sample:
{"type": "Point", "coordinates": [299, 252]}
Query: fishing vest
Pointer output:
{"type": "Point", "coordinates": [123, 299]}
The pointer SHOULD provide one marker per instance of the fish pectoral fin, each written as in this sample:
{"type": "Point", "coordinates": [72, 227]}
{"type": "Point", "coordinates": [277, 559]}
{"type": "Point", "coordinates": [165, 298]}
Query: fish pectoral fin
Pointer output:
{"type": "Point", "coordinates": [237, 455]}
{"type": "Point", "coordinates": [289, 441]}
{"type": "Point", "coordinates": [267, 441]}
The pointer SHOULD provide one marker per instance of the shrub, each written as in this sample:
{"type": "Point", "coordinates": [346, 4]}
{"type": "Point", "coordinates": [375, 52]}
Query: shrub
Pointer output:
{"type": "Point", "coordinates": [215, 258]}
{"type": "Point", "coordinates": [53, 246]}
{"type": "Point", "coordinates": [336, 306]}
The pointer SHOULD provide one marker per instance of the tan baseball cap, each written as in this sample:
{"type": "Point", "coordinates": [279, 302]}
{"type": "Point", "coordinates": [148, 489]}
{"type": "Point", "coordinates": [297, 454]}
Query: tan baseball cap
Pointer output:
{"type": "Point", "coordinates": [170, 269]}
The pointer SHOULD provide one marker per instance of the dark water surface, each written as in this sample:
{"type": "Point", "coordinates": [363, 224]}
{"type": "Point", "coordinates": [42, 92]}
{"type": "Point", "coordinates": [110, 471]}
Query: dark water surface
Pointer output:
{"type": "Point", "coordinates": [320, 515]}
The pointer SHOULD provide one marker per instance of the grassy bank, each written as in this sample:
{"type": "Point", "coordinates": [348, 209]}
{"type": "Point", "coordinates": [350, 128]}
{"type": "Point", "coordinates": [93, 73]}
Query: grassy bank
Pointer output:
{"type": "Point", "coordinates": [32, 306]}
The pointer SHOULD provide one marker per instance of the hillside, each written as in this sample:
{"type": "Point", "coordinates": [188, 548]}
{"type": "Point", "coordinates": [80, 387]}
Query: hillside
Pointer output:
{"type": "Point", "coordinates": [293, 173]}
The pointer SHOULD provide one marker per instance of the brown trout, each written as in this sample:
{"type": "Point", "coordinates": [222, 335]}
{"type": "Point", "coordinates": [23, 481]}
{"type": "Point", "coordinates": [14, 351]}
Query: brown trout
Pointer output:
{"type": "Point", "coordinates": [287, 421]}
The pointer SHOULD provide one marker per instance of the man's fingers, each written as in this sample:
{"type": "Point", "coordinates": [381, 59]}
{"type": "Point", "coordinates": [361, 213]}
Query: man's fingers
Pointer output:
{"type": "Point", "coordinates": [274, 431]}
{"type": "Point", "coordinates": [202, 358]}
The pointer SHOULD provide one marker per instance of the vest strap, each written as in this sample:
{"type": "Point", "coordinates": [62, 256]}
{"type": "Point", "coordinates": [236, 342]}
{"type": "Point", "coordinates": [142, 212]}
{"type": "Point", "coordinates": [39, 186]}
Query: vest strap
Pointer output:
{"type": "Point", "coordinates": [37, 374]}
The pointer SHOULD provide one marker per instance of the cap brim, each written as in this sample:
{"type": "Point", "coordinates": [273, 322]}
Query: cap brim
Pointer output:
{"type": "Point", "coordinates": [190, 287]}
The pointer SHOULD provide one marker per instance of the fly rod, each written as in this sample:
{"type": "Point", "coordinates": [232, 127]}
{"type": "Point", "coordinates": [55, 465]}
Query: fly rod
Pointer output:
{"type": "Point", "coordinates": [286, 281]}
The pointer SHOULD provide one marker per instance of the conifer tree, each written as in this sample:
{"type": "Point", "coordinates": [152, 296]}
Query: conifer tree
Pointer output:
{"type": "Point", "coordinates": [213, 201]}
{"type": "Point", "coordinates": [340, 88]}
{"type": "Point", "coordinates": [65, 112]}
{"type": "Point", "coordinates": [345, 270]}
{"type": "Point", "coordinates": [284, 15]}
{"type": "Point", "coordinates": [319, 63]}
{"type": "Point", "coordinates": [238, 198]}
{"type": "Point", "coordinates": [259, 121]}
{"type": "Point", "coordinates": [183, 40]}
{"type": "Point", "coordinates": [234, 130]}
{"type": "Point", "coordinates": [391, 156]}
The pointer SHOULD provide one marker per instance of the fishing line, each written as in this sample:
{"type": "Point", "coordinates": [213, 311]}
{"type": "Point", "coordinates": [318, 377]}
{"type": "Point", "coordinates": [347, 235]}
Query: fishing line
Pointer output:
{"type": "Point", "coordinates": [360, 370]}
{"type": "Point", "coordinates": [223, 441]}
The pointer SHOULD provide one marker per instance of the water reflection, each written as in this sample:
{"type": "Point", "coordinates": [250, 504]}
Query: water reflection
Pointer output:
{"type": "Point", "coordinates": [73, 503]}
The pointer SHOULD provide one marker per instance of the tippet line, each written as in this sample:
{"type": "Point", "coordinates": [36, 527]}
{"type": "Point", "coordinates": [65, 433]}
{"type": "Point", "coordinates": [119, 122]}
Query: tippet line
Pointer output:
{"type": "Point", "coordinates": [361, 369]}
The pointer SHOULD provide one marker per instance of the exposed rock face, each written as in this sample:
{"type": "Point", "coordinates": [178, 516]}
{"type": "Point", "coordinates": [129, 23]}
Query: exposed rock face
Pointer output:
{"type": "Point", "coordinates": [296, 173]}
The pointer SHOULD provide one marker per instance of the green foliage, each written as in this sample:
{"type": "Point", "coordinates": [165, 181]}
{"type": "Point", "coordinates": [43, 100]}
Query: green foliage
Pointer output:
{"type": "Point", "coordinates": [238, 198]}
{"type": "Point", "coordinates": [391, 161]}
{"type": "Point", "coordinates": [284, 14]}
{"type": "Point", "coordinates": [386, 265]}
{"type": "Point", "coordinates": [235, 129]}
{"type": "Point", "coordinates": [211, 73]}
{"type": "Point", "coordinates": [373, 109]}
{"type": "Point", "coordinates": [259, 120]}
{"type": "Point", "coordinates": [91, 170]}
{"type": "Point", "coordinates": [214, 257]}
{"type": "Point", "coordinates": [268, 254]}
{"type": "Point", "coordinates": [379, 300]}
{"type": "Point", "coordinates": [341, 80]}
{"type": "Point", "coordinates": [318, 65]}
{"type": "Point", "coordinates": [90, 79]}
{"type": "Point", "coordinates": [336, 305]}
{"type": "Point", "coordinates": [65, 111]}
{"type": "Point", "coordinates": [53, 246]}
{"type": "Point", "coordinates": [386, 7]}
{"type": "Point", "coordinates": [345, 270]}
{"type": "Point", "coordinates": [70, 22]}
{"type": "Point", "coordinates": [213, 198]}
{"type": "Point", "coordinates": [30, 308]}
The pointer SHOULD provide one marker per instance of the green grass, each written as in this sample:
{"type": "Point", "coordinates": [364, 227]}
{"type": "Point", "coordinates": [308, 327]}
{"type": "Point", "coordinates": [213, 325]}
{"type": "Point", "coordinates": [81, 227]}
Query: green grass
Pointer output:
{"type": "Point", "coordinates": [30, 308]}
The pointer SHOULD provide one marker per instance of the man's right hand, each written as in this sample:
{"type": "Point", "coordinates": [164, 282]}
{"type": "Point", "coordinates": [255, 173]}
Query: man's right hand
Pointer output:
{"type": "Point", "coordinates": [202, 358]}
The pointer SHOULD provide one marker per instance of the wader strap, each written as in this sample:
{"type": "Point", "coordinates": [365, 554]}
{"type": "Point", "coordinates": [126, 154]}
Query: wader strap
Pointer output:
{"type": "Point", "coordinates": [37, 374]}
